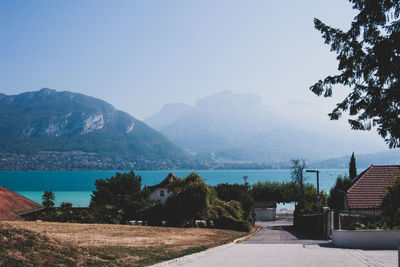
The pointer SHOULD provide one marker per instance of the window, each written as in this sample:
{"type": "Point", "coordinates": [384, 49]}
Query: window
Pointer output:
{"type": "Point", "coordinates": [162, 193]}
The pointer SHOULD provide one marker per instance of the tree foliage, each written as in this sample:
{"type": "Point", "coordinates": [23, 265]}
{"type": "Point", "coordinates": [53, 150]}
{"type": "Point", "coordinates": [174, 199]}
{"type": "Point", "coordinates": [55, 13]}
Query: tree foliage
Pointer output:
{"type": "Point", "coordinates": [298, 166]}
{"type": "Point", "coordinates": [192, 199]}
{"type": "Point", "coordinates": [307, 204]}
{"type": "Point", "coordinates": [352, 167]}
{"type": "Point", "coordinates": [275, 191]}
{"type": "Point", "coordinates": [369, 63]}
{"type": "Point", "coordinates": [48, 199]}
{"type": "Point", "coordinates": [239, 192]}
{"type": "Point", "coordinates": [337, 193]}
{"type": "Point", "coordinates": [119, 198]}
{"type": "Point", "coordinates": [391, 204]}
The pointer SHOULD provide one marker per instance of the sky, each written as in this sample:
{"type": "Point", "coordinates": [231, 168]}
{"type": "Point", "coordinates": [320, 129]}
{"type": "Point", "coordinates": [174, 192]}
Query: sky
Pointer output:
{"type": "Point", "coordinates": [140, 55]}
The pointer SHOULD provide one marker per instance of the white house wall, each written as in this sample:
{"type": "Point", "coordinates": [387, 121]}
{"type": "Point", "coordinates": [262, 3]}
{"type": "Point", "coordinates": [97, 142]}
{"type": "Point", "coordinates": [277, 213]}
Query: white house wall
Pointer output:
{"type": "Point", "coordinates": [156, 195]}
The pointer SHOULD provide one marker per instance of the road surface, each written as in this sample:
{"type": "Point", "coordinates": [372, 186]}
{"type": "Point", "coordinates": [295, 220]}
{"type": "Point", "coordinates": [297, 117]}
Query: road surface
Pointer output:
{"type": "Point", "coordinates": [276, 244]}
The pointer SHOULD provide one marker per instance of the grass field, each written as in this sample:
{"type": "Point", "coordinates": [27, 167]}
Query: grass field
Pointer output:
{"type": "Point", "coordinates": [71, 244]}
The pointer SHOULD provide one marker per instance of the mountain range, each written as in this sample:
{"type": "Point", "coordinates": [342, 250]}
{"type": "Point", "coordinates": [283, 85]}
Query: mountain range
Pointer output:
{"type": "Point", "coordinates": [48, 129]}
{"type": "Point", "coordinates": [52, 130]}
{"type": "Point", "coordinates": [240, 128]}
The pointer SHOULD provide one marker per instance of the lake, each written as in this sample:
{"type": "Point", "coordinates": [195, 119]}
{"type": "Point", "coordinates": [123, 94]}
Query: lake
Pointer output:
{"type": "Point", "coordinates": [76, 186]}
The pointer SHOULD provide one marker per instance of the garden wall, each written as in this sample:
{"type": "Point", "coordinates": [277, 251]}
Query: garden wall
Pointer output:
{"type": "Point", "coordinates": [371, 239]}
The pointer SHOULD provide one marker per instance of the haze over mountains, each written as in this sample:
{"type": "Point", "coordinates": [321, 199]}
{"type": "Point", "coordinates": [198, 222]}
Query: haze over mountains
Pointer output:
{"type": "Point", "coordinates": [51, 130]}
{"type": "Point", "coordinates": [47, 129]}
{"type": "Point", "coordinates": [231, 127]}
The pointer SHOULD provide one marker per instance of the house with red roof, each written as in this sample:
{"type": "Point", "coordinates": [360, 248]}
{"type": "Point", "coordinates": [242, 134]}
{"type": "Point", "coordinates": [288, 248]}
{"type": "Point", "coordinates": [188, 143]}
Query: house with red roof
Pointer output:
{"type": "Point", "coordinates": [368, 189]}
{"type": "Point", "coordinates": [13, 206]}
{"type": "Point", "coordinates": [162, 191]}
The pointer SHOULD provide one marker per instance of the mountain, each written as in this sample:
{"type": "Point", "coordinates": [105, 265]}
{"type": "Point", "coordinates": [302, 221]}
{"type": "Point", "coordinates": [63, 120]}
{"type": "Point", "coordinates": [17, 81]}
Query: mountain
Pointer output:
{"type": "Point", "coordinates": [228, 127]}
{"type": "Point", "coordinates": [48, 129]}
{"type": "Point", "coordinates": [391, 157]}
{"type": "Point", "coordinates": [167, 115]}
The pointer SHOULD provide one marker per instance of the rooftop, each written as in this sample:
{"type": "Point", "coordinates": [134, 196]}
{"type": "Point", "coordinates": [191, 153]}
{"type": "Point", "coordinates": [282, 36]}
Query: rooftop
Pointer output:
{"type": "Point", "coordinates": [165, 183]}
{"type": "Point", "coordinates": [13, 205]}
{"type": "Point", "coordinates": [368, 189]}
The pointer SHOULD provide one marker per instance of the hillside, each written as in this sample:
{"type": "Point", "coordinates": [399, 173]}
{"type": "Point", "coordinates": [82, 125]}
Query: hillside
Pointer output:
{"type": "Point", "coordinates": [48, 129]}
{"type": "Point", "coordinates": [363, 161]}
{"type": "Point", "coordinates": [240, 128]}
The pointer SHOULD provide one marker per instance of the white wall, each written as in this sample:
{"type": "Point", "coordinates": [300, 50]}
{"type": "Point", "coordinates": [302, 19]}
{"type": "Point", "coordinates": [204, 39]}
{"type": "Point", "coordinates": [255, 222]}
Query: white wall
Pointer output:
{"type": "Point", "coordinates": [375, 239]}
{"type": "Point", "coordinates": [156, 195]}
{"type": "Point", "coordinates": [265, 214]}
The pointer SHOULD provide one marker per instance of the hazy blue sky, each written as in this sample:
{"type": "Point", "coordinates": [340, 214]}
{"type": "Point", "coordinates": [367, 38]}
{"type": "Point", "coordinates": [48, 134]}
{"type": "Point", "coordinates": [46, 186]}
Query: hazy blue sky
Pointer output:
{"type": "Point", "coordinates": [139, 55]}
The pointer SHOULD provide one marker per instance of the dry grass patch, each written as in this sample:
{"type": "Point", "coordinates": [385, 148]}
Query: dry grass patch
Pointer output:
{"type": "Point", "coordinates": [124, 245]}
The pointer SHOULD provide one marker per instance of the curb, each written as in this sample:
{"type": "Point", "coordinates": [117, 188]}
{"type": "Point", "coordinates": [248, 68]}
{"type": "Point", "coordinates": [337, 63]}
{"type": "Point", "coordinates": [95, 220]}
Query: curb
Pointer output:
{"type": "Point", "coordinates": [190, 257]}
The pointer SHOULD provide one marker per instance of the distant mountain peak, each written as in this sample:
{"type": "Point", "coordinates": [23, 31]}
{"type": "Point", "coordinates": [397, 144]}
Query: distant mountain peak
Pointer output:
{"type": "Point", "coordinates": [49, 120]}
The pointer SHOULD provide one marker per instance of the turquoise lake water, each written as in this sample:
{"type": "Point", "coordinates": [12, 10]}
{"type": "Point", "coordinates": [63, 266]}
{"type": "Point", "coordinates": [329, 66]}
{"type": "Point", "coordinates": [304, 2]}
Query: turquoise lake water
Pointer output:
{"type": "Point", "coordinates": [76, 186]}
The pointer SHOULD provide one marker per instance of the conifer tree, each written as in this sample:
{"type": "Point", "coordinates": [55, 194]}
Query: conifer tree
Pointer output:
{"type": "Point", "coordinates": [352, 167]}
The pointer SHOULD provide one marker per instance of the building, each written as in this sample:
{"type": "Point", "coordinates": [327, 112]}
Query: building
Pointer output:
{"type": "Point", "coordinates": [368, 189]}
{"type": "Point", "coordinates": [161, 191]}
{"type": "Point", "coordinates": [13, 206]}
{"type": "Point", "coordinates": [265, 210]}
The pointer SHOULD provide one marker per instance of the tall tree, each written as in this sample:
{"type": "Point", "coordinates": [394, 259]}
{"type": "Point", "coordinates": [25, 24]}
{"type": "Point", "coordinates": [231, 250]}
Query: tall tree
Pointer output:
{"type": "Point", "coordinates": [298, 166]}
{"type": "Point", "coordinates": [369, 63]}
{"type": "Point", "coordinates": [352, 167]}
{"type": "Point", "coordinates": [48, 199]}
{"type": "Point", "coordinates": [337, 193]}
{"type": "Point", "coordinates": [121, 194]}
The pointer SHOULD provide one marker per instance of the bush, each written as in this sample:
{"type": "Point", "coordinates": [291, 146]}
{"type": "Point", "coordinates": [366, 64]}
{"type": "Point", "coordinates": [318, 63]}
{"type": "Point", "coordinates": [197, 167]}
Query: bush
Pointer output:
{"type": "Point", "coordinates": [190, 200]}
{"type": "Point", "coordinates": [391, 205]}
{"type": "Point", "coordinates": [336, 194]}
{"type": "Point", "coordinates": [120, 198]}
{"type": "Point", "coordinates": [155, 214]}
{"type": "Point", "coordinates": [306, 205]}
{"type": "Point", "coordinates": [275, 191]}
{"type": "Point", "coordinates": [226, 222]}
{"type": "Point", "coordinates": [239, 192]}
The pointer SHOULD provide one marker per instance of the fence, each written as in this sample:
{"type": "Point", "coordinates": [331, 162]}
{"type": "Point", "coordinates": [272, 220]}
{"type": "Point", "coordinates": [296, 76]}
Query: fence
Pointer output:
{"type": "Point", "coordinates": [346, 219]}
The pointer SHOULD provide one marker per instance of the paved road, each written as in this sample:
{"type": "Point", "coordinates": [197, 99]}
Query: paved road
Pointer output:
{"type": "Point", "coordinates": [278, 245]}
{"type": "Point", "coordinates": [280, 232]}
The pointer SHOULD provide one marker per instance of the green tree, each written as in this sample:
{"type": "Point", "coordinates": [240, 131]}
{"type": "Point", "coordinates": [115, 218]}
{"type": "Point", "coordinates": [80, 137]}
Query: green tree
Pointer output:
{"type": "Point", "coordinates": [337, 193]}
{"type": "Point", "coordinates": [48, 199]}
{"type": "Point", "coordinates": [298, 166]}
{"type": "Point", "coordinates": [239, 192]}
{"type": "Point", "coordinates": [352, 167]}
{"type": "Point", "coordinates": [191, 199]}
{"type": "Point", "coordinates": [391, 204]}
{"type": "Point", "coordinates": [120, 196]}
{"type": "Point", "coordinates": [275, 191]}
{"type": "Point", "coordinates": [369, 63]}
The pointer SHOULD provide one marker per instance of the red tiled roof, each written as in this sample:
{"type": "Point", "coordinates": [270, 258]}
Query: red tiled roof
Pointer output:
{"type": "Point", "coordinates": [368, 189]}
{"type": "Point", "coordinates": [12, 205]}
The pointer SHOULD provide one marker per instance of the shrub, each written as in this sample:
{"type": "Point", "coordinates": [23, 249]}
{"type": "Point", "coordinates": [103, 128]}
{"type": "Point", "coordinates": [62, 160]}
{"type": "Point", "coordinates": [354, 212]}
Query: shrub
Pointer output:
{"type": "Point", "coordinates": [191, 200]}
{"type": "Point", "coordinates": [336, 194]}
{"type": "Point", "coordinates": [275, 191]}
{"type": "Point", "coordinates": [227, 222]}
{"type": "Point", "coordinates": [391, 204]}
{"type": "Point", "coordinates": [239, 192]}
{"type": "Point", "coordinates": [121, 197]}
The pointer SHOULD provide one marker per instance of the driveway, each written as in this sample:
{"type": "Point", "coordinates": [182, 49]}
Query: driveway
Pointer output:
{"type": "Point", "coordinates": [277, 244]}
{"type": "Point", "coordinates": [281, 232]}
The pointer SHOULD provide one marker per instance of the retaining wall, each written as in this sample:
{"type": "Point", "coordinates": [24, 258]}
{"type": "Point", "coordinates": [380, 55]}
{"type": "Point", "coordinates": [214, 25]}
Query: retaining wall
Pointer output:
{"type": "Point", "coordinates": [372, 239]}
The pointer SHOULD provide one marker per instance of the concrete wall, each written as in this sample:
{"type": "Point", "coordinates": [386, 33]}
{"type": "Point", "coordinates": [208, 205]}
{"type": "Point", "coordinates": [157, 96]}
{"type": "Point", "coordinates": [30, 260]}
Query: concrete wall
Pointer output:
{"type": "Point", "coordinates": [157, 195]}
{"type": "Point", "coordinates": [373, 239]}
{"type": "Point", "coordinates": [265, 214]}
